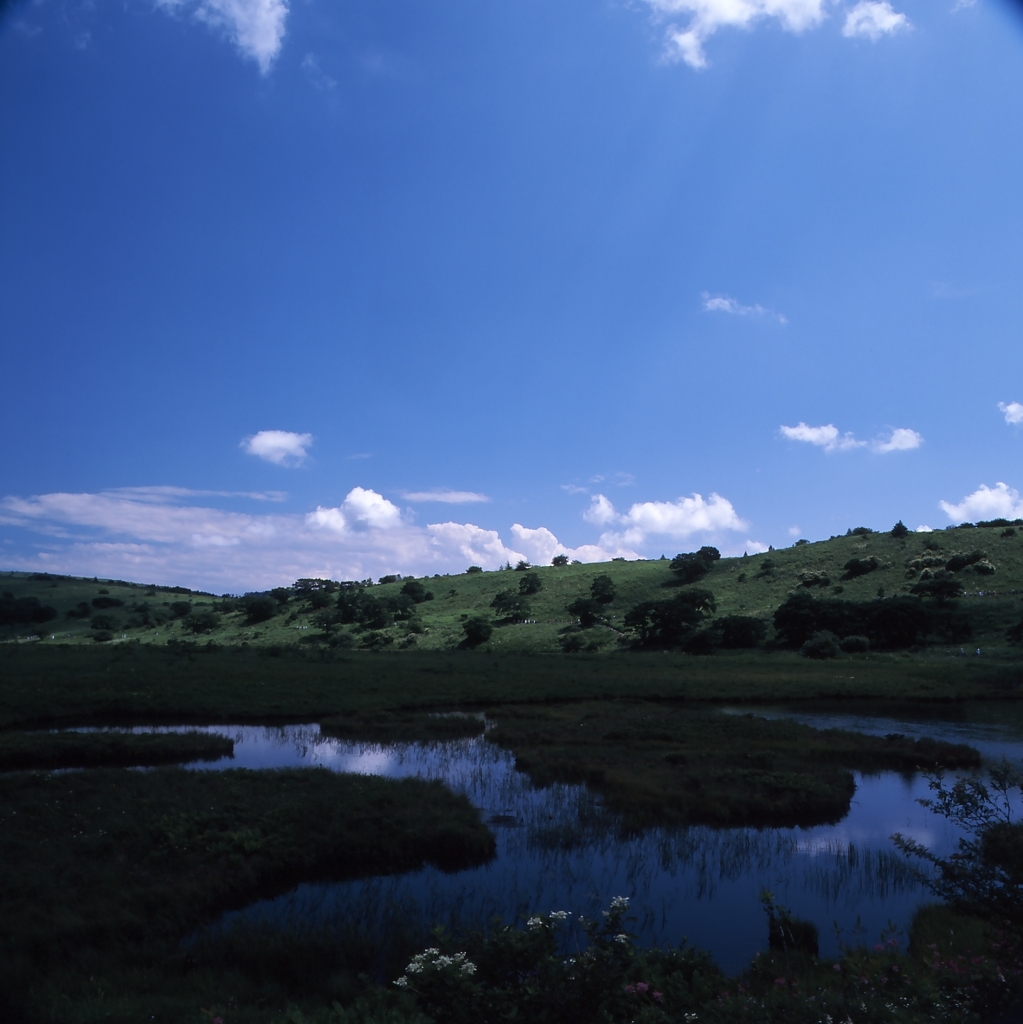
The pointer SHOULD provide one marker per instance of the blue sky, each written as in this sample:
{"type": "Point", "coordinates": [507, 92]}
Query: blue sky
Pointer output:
{"type": "Point", "coordinates": [292, 287]}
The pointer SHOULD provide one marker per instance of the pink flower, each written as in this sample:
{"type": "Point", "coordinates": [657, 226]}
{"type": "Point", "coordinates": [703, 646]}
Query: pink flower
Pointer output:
{"type": "Point", "coordinates": [631, 989]}
{"type": "Point", "coordinates": [879, 948]}
{"type": "Point", "coordinates": [779, 981]}
{"type": "Point", "coordinates": [837, 967]}
{"type": "Point", "coordinates": [641, 987]}
{"type": "Point", "coordinates": [218, 1020]}
{"type": "Point", "coordinates": [656, 996]}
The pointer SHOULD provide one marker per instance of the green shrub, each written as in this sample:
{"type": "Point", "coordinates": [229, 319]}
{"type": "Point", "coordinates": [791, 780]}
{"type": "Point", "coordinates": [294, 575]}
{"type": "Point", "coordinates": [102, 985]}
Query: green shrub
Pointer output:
{"type": "Point", "coordinates": [856, 567]}
{"type": "Point", "coordinates": [201, 622]}
{"type": "Point", "coordinates": [510, 604]}
{"type": "Point", "coordinates": [899, 530]}
{"type": "Point", "coordinates": [602, 589]}
{"type": "Point", "coordinates": [820, 646]}
{"type": "Point", "coordinates": [415, 590]}
{"type": "Point", "coordinates": [473, 569]}
{"type": "Point", "coordinates": [855, 644]}
{"type": "Point", "coordinates": [477, 629]}
{"type": "Point", "coordinates": [559, 560]}
{"type": "Point", "coordinates": [530, 584]}
{"type": "Point", "coordinates": [258, 608]}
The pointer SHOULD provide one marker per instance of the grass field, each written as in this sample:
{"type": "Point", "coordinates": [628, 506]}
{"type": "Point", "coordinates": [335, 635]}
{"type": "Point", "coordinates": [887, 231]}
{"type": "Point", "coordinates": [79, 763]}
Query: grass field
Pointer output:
{"type": "Point", "coordinates": [753, 586]}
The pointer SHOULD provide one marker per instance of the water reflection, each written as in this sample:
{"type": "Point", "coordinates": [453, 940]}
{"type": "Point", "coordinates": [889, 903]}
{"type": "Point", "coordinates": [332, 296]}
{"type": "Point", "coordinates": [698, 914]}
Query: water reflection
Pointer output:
{"type": "Point", "coordinates": [558, 848]}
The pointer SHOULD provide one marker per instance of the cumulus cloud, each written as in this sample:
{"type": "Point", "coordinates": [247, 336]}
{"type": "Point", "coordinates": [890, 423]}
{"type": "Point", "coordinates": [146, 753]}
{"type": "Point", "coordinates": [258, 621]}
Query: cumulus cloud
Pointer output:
{"type": "Point", "coordinates": [676, 520]}
{"type": "Point", "coordinates": [445, 496]}
{"type": "Point", "coordinates": [871, 19]}
{"type": "Point", "coordinates": [256, 27]}
{"type": "Point", "coordinates": [282, 447]}
{"type": "Point", "coordinates": [726, 304]}
{"type": "Point", "coordinates": [1013, 412]}
{"type": "Point", "coordinates": [134, 534]}
{"type": "Point", "coordinates": [902, 440]}
{"type": "Point", "coordinates": [998, 502]}
{"type": "Point", "coordinates": [827, 436]}
{"type": "Point", "coordinates": [685, 41]}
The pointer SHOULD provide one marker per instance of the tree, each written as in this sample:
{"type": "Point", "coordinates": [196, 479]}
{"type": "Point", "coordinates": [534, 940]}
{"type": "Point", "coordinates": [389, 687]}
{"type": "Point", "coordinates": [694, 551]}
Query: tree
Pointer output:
{"type": "Point", "coordinates": [477, 630]}
{"type": "Point", "coordinates": [856, 567]}
{"type": "Point", "coordinates": [202, 622]}
{"type": "Point", "coordinates": [669, 623]}
{"type": "Point", "coordinates": [522, 565]}
{"type": "Point", "coordinates": [691, 566]}
{"type": "Point", "coordinates": [258, 608]}
{"type": "Point", "coordinates": [530, 584]}
{"type": "Point", "coordinates": [602, 589]}
{"type": "Point", "coordinates": [820, 646]}
{"type": "Point", "coordinates": [473, 569]}
{"type": "Point", "coordinates": [942, 586]}
{"type": "Point", "coordinates": [588, 611]}
{"type": "Point", "coordinates": [559, 560]}
{"type": "Point", "coordinates": [510, 605]}
{"type": "Point", "coordinates": [415, 590]}
{"type": "Point", "coordinates": [899, 530]}
{"type": "Point", "coordinates": [739, 631]}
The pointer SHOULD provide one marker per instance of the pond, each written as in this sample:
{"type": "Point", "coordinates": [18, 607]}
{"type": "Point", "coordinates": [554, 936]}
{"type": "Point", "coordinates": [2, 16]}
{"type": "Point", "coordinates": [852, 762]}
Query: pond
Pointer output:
{"type": "Point", "coordinates": [558, 849]}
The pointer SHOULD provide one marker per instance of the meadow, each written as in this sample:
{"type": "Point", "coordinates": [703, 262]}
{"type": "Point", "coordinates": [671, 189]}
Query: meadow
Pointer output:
{"type": "Point", "coordinates": [108, 871]}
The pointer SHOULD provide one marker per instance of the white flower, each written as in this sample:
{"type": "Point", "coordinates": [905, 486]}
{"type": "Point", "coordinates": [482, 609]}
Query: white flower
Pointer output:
{"type": "Point", "coordinates": [402, 982]}
{"type": "Point", "coordinates": [622, 938]}
{"type": "Point", "coordinates": [620, 903]}
{"type": "Point", "coordinates": [534, 922]}
{"type": "Point", "coordinates": [558, 915]}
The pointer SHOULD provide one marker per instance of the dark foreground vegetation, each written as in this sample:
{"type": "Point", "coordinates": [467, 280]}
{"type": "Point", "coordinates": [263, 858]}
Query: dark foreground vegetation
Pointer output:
{"type": "Point", "coordinates": [106, 871]}
{"type": "Point", "coordinates": [46, 750]}
{"type": "Point", "coordinates": [656, 764]}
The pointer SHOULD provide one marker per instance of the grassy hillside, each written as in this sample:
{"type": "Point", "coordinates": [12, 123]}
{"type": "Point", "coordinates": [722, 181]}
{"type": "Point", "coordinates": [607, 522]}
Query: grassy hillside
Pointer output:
{"type": "Point", "coordinates": [113, 611]}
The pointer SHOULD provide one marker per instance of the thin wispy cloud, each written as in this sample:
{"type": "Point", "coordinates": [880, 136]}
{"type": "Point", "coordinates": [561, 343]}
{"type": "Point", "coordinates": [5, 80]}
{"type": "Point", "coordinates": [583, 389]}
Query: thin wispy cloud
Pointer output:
{"type": "Point", "coordinates": [998, 502]}
{"type": "Point", "coordinates": [871, 20]}
{"type": "Point", "coordinates": [171, 493]}
{"type": "Point", "coordinates": [256, 27]}
{"type": "Point", "coordinates": [318, 78]}
{"type": "Point", "coordinates": [828, 437]}
{"type": "Point", "coordinates": [726, 304]}
{"type": "Point", "coordinates": [446, 496]}
{"type": "Point", "coordinates": [1012, 411]}
{"type": "Point", "coordinates": [281, 447]}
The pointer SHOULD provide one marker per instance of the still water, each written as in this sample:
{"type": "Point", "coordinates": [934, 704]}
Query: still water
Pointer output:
{"type": "Point", "coordinates": [558, 849]}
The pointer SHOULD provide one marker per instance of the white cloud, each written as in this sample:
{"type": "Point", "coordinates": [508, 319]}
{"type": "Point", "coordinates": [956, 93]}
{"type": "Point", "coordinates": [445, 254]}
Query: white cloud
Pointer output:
{"type": "Point", "coordinates": [826, 437]}
{"type": "Point", "coordinates": [871, 19]}
{"type": "Point", "coordinates": [446, 496]}
{"type": "Point", "coordinates": [924, 529]}
{"type": "Point", "coordinates": [133, 534]}
{"type": "Point", "coordinates": [726, 304]}
{"type": "Point", "coordinates": [755, 547]}
{"type": "Point", "coordinates": [256, 27]}
{"type": "Point", "coordinates": [164, 493]}
{"type": "Point", "coordinates": [794, 531]}
{"type": "Point", "coordinates": [281, 447]}
{"type": "Point", "coordinates": [998, 502]}
{"type": "Point", "coordinates": [1013, 412]}
{"type": "Point", "coordinates": [673, 519]}
{"type": "Point", "coordinates": [902, 440]}
{"type": "Point", "coordinates": [705, 17]}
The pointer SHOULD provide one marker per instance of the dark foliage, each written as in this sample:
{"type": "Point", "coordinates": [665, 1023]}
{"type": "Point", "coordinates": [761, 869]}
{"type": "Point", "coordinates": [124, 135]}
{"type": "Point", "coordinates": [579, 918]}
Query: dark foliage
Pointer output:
{"type": "Point", "coordinates": [821, 646]}
{"type": "Point", "coordinates": [510, 605]}
{"type": "Point", "coordinates": [602, 589]}
{"type": "Point", "coordinates": [179, 609]}
{"type": "Point", "coordinates": [530, 584]}
{"type": "Point", "coordinates": [588, 611]}
{"type": "Point", "coordinates": [899, 530]}
{"type": "Point", "coordinates": [522, 565]}
{"type": "Point", "coordinates": [669, 623]}
{"type": "Point", "coordinates": [282, 595]}
{"type": "Point", "coordinates": [478, 630]}
{"type": "Point", "coordinates": [307, 585]}
{"type": "Point", "coordinates": [107, 602]}
{"type": "Point", "coordinates": [103, 622]}
{"type": "Point", "coordinates": [24, 610]}
{"type": "Point", "coordinates": [202, 622]}
{"type": "Point", "coordinates": [689, 567]}
{"type": "Point", "coordinates": [390, 578]}
{"type": "Point", "coordinates": [892, 623]}
{"type": "Point", "coordinates": [559, 560]}
{"type": "Point", "coordinates": [942, 586]}
{"type": "Point", "coordinates": [859, 567]}
{"type": "Point", "coordinates": [960, 561]}
{"type": "Point", "coordinates": [80, 611]}
{"type": "Point", "coordinates": [258, 608]}
{"type": "Point", "coordinates": [415, 590]}
{"type": "Point", "coordinates": [855, 644]}
{"type": "Point", "coordinates": [739, 631]}
{"type": "Point", "coordinates": [473, 569]}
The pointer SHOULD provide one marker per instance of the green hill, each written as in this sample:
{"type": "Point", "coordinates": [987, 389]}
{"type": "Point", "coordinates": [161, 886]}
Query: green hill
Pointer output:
{"type": "Point", "coordinates": [985, 562]}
